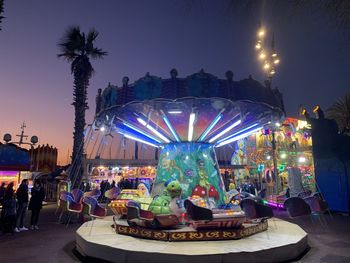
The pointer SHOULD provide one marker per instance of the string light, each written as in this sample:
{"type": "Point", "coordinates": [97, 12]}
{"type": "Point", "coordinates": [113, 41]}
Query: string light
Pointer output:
{"type": "Point", "coordinates": [269, 59]}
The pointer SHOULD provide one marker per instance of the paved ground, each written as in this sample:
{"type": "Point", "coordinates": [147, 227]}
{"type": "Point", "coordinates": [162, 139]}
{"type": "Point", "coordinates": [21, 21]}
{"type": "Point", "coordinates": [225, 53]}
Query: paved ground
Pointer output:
{"type": "Point", "coordinates": [54, 242]}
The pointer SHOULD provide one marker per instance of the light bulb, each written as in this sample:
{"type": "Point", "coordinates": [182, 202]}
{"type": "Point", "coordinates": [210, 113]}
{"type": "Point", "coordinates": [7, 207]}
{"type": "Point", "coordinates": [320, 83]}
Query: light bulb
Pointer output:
{"type": "Point", "coordinates": [262, 55]}
{"type": "Point", "coordinates": [261, 33]}
{"type": "Point", "coordinates": [258, 45]}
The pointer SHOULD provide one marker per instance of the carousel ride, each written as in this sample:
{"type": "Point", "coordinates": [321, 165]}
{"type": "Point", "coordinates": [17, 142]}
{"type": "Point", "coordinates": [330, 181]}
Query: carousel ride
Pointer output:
{"type": "Point", "coordinates": [188, 188]}
{"type": "Point", "coordinates": [188, 201]}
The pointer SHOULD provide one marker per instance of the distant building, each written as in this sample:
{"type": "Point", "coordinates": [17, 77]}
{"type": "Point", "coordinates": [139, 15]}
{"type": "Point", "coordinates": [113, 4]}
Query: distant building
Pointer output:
{"type": "Point", "coordinates": [44, 158]}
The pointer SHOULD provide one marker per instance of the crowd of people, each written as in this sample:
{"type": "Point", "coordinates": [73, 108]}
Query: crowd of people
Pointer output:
{"type": "Point", "coordinates": [15, 206]}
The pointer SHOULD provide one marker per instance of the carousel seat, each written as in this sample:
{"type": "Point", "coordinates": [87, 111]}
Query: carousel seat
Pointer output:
{"type": "Point", "coordinates": [204, 218]}
{"type": "Point", "coordinates": [316, 205]}
{"type": "Point", "coordinates": [255, 210]}
{"type": "Point", "coordinates": [93, 208]}
{"type": "Point", "coordinates": [77, 195]}
{"type": "Point", "coordinates": [197, 213]}
{"type": "Point", "coordinates": [112, 193]}
{"type": "Point", "coordinates": [65, 199]}
{"type": "Point", "coordinates": [296, 207]}
{"type": "Point", "coordinates": [95, 193]}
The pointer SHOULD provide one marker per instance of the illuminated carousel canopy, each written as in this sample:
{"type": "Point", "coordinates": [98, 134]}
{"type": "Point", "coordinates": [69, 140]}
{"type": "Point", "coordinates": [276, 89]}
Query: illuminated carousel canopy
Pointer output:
{"type": "Point", "coordinates": [199, 108]}
{"type": "Point", "coordinates": [216, 121]}
{"type": "Point", "coordinates": [202, 116]}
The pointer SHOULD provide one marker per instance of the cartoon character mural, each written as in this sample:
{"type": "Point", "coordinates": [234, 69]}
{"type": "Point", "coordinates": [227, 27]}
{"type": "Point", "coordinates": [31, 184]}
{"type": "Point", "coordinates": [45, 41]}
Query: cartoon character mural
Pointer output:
{"type": "Point", "coordinates": [143, 189]}
{"type": "Point", "coordinates": [195, 167]}
{"type": "Point", "coordinates": [239, 157]}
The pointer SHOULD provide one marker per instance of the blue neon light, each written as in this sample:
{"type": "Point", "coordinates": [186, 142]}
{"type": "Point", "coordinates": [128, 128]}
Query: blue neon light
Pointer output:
{"type": "Point", "coordinates": [210, 127]}
{"type": "Point", "coordinates": [173, 132]}
{"type": "Point", "coordinates": [127, 135]}
{"type": "Point", "coordinates": [236, 123]}
{"type": "Point", "coordinates": [140, 131]}
{"type": "Point", "coordinates": [238, 132]}
{"type": "Point", "coordinates": [238, 137]}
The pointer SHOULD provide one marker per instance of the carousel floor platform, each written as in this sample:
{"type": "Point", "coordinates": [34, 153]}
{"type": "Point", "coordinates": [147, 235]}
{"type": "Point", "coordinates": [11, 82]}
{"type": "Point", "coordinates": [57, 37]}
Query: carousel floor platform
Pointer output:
{"type": "Point", "coordinates": [283, 241]}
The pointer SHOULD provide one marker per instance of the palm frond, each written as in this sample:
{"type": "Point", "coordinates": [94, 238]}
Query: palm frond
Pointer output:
{"type": "Point", "coordinates": [72, 40]}
{"type": "Point", "coordinates": [97, 53]}
{"type": "Point", "coordinates": [92, 35]}
{"type": "Point", "coordinates": [1, 11]}
{"type": "Point", "coordinates": [340, 112]}
{"type": "Point", "coordinates": [69, 56]}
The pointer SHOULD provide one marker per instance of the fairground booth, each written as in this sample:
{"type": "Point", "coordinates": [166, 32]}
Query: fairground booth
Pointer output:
{"type": "Point", "coordinates": [14, 164]}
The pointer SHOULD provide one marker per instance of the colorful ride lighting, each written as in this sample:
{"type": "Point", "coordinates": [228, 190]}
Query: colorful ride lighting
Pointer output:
{"type": "Point", "coordinates": [190, 126]}
{"type": "Point", "coordinates": [225, 131]}
{"type": "Point", "coordinates": [153, 130]}
{"type": "Point", "coordinates": [174, 111]}
{"type": "Point", "coordinates": [238, 137]}
{"type": "Point", "coordinates": [138, 139]}
{"type": "Point", "coordinates": [142, 121]}
{"type": "Point", "coordinates": [141, 131]}
{"type": "Point", "coordinates": [210, 127]}
{"type": "Point", "coordinates": [273, 204]}
{"type": "Point", "coordinates": [301, 159]}
{"type": "Point", "coordinates": [276, 61]}
{"type": "Point", "coordinates": [173, 132]}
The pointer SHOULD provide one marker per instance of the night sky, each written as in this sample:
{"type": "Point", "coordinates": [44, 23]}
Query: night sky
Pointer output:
{"type": "Point", "coordinates": [155, 36]}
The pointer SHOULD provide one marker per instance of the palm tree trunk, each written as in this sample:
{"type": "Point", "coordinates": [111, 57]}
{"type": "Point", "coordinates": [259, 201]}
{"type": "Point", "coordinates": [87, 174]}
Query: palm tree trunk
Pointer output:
{"type": "Point", "coordinates": [81, 82]}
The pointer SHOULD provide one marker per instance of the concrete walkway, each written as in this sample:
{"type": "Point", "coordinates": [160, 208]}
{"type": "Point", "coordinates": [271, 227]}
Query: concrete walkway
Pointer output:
{"type": "Point", "coordinates": [54, 242]}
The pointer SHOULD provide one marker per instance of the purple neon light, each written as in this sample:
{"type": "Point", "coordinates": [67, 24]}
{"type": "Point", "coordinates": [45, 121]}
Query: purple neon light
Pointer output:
{"type": "Point", "coordinates": [8, 173]}
{"type": "Point", "coordinates": [273, 204]}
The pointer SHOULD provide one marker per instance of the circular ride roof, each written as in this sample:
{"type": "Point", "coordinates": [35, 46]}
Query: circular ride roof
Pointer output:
{"type": "Point", "coordinates": [216, 121]}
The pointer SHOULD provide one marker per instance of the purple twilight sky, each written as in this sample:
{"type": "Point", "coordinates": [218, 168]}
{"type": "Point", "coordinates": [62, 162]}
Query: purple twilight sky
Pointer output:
{"type": "Point", "coordinates": [154, 36]}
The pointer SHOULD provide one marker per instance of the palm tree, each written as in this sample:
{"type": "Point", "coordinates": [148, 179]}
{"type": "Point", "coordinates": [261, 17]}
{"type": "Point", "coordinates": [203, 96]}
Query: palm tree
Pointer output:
{"type": "Point", "coordinates": [78, 49]}
{"type": "Point", "coordinates": [340, 112]}
{"type": "Point", "coordinates": [1, 11]}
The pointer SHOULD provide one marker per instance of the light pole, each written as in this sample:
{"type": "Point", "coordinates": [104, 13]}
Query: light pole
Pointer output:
{"type": "Point", "coordinates": [269, 60]}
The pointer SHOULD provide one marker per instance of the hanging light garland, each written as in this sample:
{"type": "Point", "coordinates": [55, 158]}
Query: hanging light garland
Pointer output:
{"type": "Point", "coordinates": [269, 58]}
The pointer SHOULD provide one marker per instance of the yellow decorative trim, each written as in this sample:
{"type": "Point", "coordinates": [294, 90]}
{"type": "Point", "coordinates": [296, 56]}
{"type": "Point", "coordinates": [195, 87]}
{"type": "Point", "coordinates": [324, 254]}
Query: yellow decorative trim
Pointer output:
{"type": "Point", "coordinates": [178, 236]}
{"type": "Point", "coordinates": [212, 234]}
{"type": "Point", "coordinates": [196, 235]}
{"type": "Point", "coordinates": [228, 234]}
